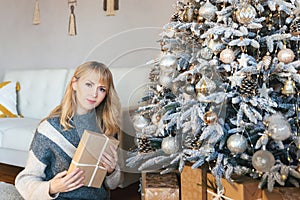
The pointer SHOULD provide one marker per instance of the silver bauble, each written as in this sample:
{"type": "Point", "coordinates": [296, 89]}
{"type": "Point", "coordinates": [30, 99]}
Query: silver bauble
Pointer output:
{"type": "Point", "coordinates": [208, 11]}
{"type": "Point", "coordinates": [286, 55]}
{"type": "Point", "coordinates": [227, 56]}
{"type": "Point", "coordinates": [278, 127]}
{"type": "Point", "coordinates": [190, 89]}
{"type": "Point", "coordinates": [140, 122]}
{"type": "Point", "coordinates": [246, 13]}
{"type": "Point", "coordinates": [206, 53]}
{"type": "Point", "coordinates": [170, 145]}
{"type": "Point", "coordinates": [263, 160]}
{"type": "Point", "coordinates": [237, 143]}
{"type": "Point", "coordinates": [168, 61]}
{"type": "Point", "coordinates": [165, 81]}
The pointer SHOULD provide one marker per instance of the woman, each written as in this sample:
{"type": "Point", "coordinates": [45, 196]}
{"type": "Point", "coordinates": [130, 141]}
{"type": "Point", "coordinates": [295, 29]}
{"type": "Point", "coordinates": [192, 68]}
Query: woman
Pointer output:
{"type": "Point", "coordinates": [90, 102]}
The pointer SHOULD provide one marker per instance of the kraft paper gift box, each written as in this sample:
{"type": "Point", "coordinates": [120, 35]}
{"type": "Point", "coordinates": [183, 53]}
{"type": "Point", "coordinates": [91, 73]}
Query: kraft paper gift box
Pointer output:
{"type": "Point", "coordinates": [156, 186]}
{"type": "Point", "coordinates": [243, 188]}
{"type": "Point", "coordinates": [279, 193]}
{"type": "Point", "coordinates": [192, 181]}
{"type": "Point", "coordinates": [88, 156]}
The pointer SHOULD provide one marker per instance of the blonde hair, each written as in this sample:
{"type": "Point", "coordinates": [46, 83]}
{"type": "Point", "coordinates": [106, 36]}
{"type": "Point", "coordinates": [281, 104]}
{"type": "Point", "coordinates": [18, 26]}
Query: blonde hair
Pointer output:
{"type": "Point", "coordinates": [109, 109]}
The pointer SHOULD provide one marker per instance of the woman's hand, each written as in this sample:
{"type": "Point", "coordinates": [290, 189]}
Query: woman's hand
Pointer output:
{"type": "Point", "coordinates": [64, 182]}
{"type": "Point", "coordinates": [110, 161]}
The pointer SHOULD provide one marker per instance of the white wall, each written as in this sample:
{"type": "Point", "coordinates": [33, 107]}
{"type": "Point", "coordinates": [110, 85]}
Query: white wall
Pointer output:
{"type": "Point", "coordinates": [128, 39]}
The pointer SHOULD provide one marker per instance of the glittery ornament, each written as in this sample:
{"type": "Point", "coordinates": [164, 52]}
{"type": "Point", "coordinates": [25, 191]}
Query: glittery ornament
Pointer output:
{"type": "Point", "coordinates": [140, 122]}
{"type": "Point", "coordinates": [227, 56]}
{"type": "Point", "coordinates": [237, 143]}
{"type": "Point", "coordinates": [267, 59]}
{"type": "Point", "coordinates": [288, 87]}
{"type": "Point", "coordinates": [205, 85]}
{"type": "Point", "coordinates": [206, 53]}
{"type": "Point", "coordinates": [286, 55]}
{"type": "Point", "coordinates": [278, 127]}
{"type": "Point", "coordinates": [246, 13]}
{"type": "Point", "coordinates": [208, 11]}
{"type": "Point", "coordinates": [170, 145]}
{"type": "Point", "coordinates": [263, 160]}
{"type": "Point", "coordinates": [210, 117]}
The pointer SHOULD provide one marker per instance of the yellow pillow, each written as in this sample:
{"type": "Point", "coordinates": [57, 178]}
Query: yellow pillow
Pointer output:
{"type": "Point", "coordinates": [8, 99]}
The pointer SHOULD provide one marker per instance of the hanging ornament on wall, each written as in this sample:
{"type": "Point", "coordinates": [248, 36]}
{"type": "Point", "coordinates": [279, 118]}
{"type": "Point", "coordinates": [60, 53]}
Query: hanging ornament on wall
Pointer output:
{"type": "Point", "coordinates": [227, 56]}
{"type": "Point", "coordinates": [110, 6]}
{"type": "Point", "coordinates": [36, 16]}
{"type": "Point", "coordinates": [288, 87]}
{"type": "Point", "coordinates": [263, 160]}
{"type": "Point", "coordinates": [72, 21]}
{"type": "Point", "coordinates": [237, 143]}
{"type": "Point", "coordinates": [246, 13]}
{"type": "Point", "coordinates": [285, 55]}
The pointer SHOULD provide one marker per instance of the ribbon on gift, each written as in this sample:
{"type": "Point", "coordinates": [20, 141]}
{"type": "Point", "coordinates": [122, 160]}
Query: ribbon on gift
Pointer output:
{"type": "Point", "coordinates": [219, 195]}
{"type": "Point", "coordinates": [94, 165]}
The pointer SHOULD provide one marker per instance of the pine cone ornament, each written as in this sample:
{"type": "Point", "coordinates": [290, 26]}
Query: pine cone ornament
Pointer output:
{"type": "Point", "coordinates": [144, 145]}
{"type": "Point", "coordinates": [249, 87]}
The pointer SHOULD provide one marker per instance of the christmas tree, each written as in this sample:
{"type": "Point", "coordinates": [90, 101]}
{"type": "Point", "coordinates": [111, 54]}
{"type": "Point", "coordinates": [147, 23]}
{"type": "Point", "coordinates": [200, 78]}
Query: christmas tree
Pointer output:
{"type": "Point", "coordinates": [225, 92]}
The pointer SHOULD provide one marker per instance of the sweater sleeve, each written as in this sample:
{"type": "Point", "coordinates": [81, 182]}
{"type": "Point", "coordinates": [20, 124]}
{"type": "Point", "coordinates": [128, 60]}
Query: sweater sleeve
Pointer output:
{"type": "Point", "coordinates": [30, 182]}
{"type": "Point", "coordinates": [112, 181]}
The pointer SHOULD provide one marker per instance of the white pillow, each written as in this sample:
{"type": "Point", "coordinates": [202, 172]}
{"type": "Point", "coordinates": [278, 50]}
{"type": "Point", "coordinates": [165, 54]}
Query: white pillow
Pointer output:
{"type": "Point", "coordinates": [8, 99]}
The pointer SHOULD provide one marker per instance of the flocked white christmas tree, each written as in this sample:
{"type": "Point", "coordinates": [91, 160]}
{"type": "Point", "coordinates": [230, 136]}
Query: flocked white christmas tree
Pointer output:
{"type": "Point", "coordinates": [225, 92]}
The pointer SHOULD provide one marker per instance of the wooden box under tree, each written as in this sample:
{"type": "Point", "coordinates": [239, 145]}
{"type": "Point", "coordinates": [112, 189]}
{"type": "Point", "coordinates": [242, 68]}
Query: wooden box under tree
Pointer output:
{"type": "Point", "coordinates": [156, 186]}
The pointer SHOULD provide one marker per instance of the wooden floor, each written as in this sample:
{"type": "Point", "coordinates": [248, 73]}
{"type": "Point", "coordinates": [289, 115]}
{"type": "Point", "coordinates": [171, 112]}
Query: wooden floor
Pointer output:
{"type": "Point", "coordinates": [8, 174]}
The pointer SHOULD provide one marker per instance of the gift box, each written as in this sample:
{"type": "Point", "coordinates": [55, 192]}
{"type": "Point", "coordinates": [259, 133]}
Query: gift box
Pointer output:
{"type": "Point", "coordinates": [191, 183]}
{"type": "Point", "coordinates": [198, 185]}
{"type": "Point", "coordinates": [156, 186]}
{"type": "Point", "coordinates": [279, 193]}
{"type": "Point", "coordinates": [242, 188]}
{"type": "Point", "coordinates": [88, 156]}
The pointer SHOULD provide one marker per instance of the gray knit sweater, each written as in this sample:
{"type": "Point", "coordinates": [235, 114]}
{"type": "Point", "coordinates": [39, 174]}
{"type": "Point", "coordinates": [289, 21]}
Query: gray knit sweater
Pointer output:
{"type": "Point", "coordinates": [51, 152]}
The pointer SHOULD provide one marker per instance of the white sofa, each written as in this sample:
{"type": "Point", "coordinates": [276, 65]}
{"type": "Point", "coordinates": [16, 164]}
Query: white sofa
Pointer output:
{"type": "Point", "coordinates": [42, 89]}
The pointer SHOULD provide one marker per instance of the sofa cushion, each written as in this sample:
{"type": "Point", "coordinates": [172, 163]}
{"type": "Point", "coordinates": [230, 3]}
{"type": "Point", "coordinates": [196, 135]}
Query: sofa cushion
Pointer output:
{"type": "Point", "coordinates": [8, 99]}
{"type": "Point", "coordinates": [41, 90]}
{"type": "Point", "coordinates": [17, 133]}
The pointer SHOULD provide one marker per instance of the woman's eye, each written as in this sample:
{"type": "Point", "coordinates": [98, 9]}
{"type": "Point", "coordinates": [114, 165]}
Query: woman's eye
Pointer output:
{"type": "Point", "coordinates": [102, 89]}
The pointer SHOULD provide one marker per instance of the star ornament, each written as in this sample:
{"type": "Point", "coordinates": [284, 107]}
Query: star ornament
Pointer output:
{"type": "Point", "coordinates": [236, 79]}
{"type": "Point", "coordinates": [264, 91]}
{"type": "Point", "coordinates": [243, 60]}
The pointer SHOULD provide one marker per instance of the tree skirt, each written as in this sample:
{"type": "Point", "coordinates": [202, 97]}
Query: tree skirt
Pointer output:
{"type": "Point", "coordinates": [9, 192]}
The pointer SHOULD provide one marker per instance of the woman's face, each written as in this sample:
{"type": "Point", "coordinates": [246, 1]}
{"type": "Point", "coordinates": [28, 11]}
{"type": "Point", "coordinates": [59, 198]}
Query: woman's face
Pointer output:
{"type": "Point", "coordinates": [89, 92]}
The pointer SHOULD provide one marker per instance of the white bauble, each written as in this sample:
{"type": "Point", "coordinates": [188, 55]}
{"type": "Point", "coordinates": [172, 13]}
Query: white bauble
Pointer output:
{"type": "Point", "coordinates": [237, 143]}
{"type": "Point", "coordinates": [170, 145]}
{"type": "Point", "coordinates": [263, 160]}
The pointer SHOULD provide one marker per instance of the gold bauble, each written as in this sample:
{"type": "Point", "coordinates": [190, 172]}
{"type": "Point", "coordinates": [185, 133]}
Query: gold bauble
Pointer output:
{"type": "Point", "coordinates": [285, 55]}
{"type": "Point", "coordinates": [289, 87]}
{"type": "Point", "coordinates": [245, 14]}
{"type": "Point", "coordinates": [210, 117]}
{"type": "Point", "coordinates": [227, 56]}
